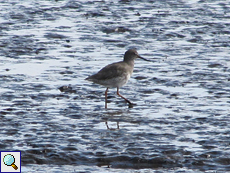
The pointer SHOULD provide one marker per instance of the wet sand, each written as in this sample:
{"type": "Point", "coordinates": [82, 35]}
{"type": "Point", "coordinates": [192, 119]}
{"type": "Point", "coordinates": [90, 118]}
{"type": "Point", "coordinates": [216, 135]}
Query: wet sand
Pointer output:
{"type": "Point", "coordinates": [180, 122]}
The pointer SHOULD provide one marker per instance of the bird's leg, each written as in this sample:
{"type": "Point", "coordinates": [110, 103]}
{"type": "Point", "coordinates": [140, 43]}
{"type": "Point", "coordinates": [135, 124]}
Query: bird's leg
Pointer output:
{"type": "Point", "coordinates": [123, 97]}
{"type": "Point", "coordinates": [106, 97]}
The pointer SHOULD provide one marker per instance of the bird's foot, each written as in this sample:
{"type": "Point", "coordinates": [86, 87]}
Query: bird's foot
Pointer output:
{"type": "Point", "coordinates": [131, 105]}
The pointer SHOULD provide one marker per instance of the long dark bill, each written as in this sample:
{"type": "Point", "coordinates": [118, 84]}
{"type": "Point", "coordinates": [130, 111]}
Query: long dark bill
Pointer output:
{"type": "Point", "coordinates": [143, 58]}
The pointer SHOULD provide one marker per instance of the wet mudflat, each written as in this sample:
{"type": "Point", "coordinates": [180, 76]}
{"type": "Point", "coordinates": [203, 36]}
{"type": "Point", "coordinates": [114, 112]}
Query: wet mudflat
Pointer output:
{"type": "Point", "coordinates": [180, 122]}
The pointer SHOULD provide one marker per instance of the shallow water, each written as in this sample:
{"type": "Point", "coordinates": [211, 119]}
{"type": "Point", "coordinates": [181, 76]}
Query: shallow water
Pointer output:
{"type": "Point", "coordinates": [180, 122]}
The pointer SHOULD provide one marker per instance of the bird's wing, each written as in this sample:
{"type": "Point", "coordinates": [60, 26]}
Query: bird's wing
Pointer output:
{"type": "Point", "coordinates": [110, 71]}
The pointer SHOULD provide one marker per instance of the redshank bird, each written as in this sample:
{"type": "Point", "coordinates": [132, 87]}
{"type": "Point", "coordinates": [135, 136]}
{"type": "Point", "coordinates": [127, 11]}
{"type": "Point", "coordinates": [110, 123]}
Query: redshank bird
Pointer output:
{"type": "Point", "coordinates": [117, 74]}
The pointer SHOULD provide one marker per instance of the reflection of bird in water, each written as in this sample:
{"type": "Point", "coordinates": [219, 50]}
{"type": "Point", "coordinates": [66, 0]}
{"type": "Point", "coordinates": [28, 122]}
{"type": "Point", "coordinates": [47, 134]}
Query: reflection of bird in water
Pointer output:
{"type": "Point", "coordinates": [106, 123]}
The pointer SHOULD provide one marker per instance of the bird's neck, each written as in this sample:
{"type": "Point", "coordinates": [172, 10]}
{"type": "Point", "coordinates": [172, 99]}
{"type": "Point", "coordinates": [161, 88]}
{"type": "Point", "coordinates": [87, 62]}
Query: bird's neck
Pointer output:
{"type": "Point", "coordinates": [130, 63]}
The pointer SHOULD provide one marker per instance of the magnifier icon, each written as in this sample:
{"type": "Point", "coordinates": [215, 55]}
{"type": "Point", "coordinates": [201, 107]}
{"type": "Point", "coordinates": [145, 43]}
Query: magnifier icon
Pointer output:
{"type": "Point", "coordinates": [9, 160]}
